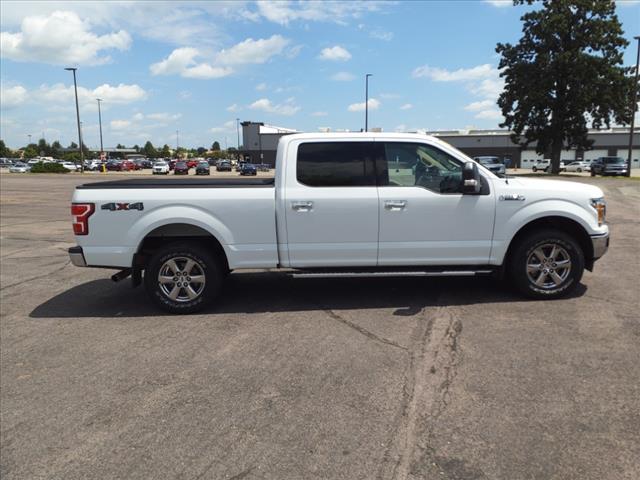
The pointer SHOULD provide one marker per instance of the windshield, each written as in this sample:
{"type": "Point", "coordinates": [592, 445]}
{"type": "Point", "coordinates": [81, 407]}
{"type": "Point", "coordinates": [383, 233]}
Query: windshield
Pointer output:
{"type": "Point", "coordinates": [488, 160]}
{"type": "Point", "coordinates": [614, 160]}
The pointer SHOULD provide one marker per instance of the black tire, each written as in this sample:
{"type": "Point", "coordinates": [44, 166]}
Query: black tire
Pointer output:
{"type": "Point", "coordinates": [204, 264]}
{"type": "Point", "coordinates": [593, 174]}
{"type": "Point", "coordinates": [579, 170]}
{"type": "Point", "coordinates": [556, 281]}
{"type": "Point", "coordinates": [535, 169]}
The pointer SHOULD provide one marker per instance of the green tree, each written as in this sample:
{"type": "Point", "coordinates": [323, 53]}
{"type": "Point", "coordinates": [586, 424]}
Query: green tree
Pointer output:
{"type": "Point", "coordinates": [565, 73]}
{"type": "Point", "coordinates": [31, 151]}
{"type": "Point", "coordinates": [166, 151]}
{"type": "Point", "coordinates": [43, 148]}
{"type": "Point", "coordinates": [149, 150]}
{"type": "Point", "coordinates": [56, 149]}
{"type": "Point", "coordinates": [4, 150]}
{"type": "Point", "coordinates": [120, 146]}
{"type": "Point", "coordinates": [215, 146]}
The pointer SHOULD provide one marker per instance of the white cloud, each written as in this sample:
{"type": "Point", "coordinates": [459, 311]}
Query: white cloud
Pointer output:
{"type": "Point", "coordinates": [60, 38]}
{"type": "Point", "coordinates": [188, 61]}
{"type": "Point", "coordinates": [406, 106]}
{"type": "Point", "coordinates": [360, 107]}
{"type": "Point", "coordinates": [401, 128]}
{"type": "Point", "coordinates": [284, 13]}
{"type": "Point", "coordinates": [58, 94]}
{"type": "Point", "coordinates": [481, 105]}
{"type": "Point", "coordinates": [253, 51]}
{"type": "Point", "coordinates": [119, 124]}
{"type": "Point", "coordinates": [489, 115]}
{"type": "Point", "coordinates": [500, 3]}
{"type": "Point", "coordinates": [185, 94]}
{"type": "Point", "coordinates": [164, 116]}
{"type": "Point", "coordinates": [381, 35]}
{"type": "Point", "coordinates": [319, 114]}
{"type": "Point", "coordinates": [182, 61]}
{"type": "Point", "coordinates": [342, 77]}
{"type": "Point", "coordinates": [463, 74]}
{"type": "Point", "coordinates": [261, 87]}
{"type": "Point", "coordinates": [228, 126]}
{"type": "Point", "coordinates": [264, 104]}
{"type": "Point", "coordinates": [336, 54]}
{"type": "Point", "coordinates": [233, 108]}
{"type": "Point", "coordinates": [12, 96]}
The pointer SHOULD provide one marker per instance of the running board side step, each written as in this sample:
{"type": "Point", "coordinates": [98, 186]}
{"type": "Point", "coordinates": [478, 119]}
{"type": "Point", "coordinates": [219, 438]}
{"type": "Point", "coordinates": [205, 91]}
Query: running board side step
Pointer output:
{"type": "Point", "coordinates": [399, 273]}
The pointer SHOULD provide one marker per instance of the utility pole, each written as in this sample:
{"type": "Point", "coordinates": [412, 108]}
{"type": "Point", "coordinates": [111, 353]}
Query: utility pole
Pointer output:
{"type": "Point", "coordinates": [177, 143]}
{"type": "Point", "coordinates": [75, 86]}
{"type": "Point", "coordinates": [29, 135]}
{"type": "Point", "coordinates": [633, 110]}
{"type": "Point", "coordinates": [100, 123]}
{"type": "Point", "coordinates": [366, 101]}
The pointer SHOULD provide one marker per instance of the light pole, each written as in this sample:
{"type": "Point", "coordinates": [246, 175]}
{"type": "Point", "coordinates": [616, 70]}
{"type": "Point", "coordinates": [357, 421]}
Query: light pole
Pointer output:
{"type": "Point", "coordinates": [238, 140]}
{"type": "Point", "coordinates": [100, 123]}
{"type": "Point", "coordinates": [75, 86]}
{"type": "Point", "coordinates": [29, 135]}
{"type": "Point", "coordinates": [633, 109]}
{"type": "Point", "coordinates": [366, 101]}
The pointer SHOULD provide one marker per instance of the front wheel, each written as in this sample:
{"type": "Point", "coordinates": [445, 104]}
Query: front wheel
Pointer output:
{"type": "Point", "coordinates": [535, 169]}
{"type": "Point", "coordinates": [547, 264]}
{"type": "Point", "coordinates": [183, 277]}
{"type": "Point", "coordinates": [579, 170]}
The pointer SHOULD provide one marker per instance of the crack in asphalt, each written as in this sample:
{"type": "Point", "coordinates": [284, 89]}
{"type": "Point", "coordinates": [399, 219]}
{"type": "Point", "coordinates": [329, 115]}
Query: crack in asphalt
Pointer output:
{"type": "Point", "coordinates": [363, 330]}
{"type": "Point", "coordinates": [433, 357]}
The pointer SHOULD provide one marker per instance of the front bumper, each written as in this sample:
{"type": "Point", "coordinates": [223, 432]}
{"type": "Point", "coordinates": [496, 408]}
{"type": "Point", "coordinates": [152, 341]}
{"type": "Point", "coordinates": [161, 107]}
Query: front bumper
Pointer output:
{"type": "Point", "coordinates": [77, 256]}
{"type": "Point", "coordinates": [600, 245]}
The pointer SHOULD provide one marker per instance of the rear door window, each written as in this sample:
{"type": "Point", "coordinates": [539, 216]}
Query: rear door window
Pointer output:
{"type": "Point", "coordinates": [336, 164]}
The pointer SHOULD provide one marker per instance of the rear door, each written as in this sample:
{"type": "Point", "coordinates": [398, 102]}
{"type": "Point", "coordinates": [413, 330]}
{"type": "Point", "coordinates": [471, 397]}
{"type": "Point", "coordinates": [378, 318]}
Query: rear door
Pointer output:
{"type": "Point", "coordinates": [332, 204]}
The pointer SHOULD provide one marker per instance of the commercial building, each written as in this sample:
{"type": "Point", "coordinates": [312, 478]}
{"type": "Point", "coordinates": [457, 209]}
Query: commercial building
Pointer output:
{"type": "Point", "coordinates": [261, 141]}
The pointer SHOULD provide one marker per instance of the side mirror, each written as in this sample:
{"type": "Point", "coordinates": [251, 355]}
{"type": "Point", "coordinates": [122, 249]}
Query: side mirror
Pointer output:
{"type": "Point", "coordinates": [471, 179]}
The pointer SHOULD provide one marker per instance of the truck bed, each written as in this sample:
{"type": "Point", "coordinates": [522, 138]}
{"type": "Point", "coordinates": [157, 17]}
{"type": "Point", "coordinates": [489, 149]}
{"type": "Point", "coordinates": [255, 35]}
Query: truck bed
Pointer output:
{"type": "Point", "coordinates": [189, 182]}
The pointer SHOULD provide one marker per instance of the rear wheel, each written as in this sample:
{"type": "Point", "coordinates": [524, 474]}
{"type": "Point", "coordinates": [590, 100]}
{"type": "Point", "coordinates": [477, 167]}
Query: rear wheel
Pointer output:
{"type": "Point", "coordinates": [546, 264]}
{"type": "Point", "coordinates": [579, 170]}
{"type": "Point", "coordinates": [183, 277]}
{"type": "Point", "coordinates": [535, 169]}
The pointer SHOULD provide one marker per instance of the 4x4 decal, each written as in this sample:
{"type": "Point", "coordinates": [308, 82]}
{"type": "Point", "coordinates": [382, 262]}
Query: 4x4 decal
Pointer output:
{"type": "Point", "coordinates": [122, 206]}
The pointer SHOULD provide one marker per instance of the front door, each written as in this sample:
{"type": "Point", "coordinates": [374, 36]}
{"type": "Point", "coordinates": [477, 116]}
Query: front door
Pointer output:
{"type": "Point", "coordinates": [332, 205]}
{"type": "Point", "coordinates": [424, 217]}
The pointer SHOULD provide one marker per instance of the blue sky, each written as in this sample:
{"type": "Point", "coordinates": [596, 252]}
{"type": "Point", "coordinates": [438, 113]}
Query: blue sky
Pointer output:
{"type": "Point", "coordinates": [197, 66]}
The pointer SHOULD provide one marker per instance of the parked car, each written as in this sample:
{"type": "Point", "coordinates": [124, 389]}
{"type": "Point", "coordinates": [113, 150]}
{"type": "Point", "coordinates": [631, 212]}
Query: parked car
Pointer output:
{"type": "Point", "coordinates": [121, 165]}
{"type": "Point", "coordinates": [609, 166]}
{"type": "Point", "coordinates": [72, 167]}
{"type": "Point", "coordinates": [239, 166]}
{"type": "Point", "coordinates": [19, 168]}
{"type": "Point", "coordinates": [545, 164]}
{"type": "Point", "coordinates": [358, 215]}
{"type": "Point", "coordinates": [203, 168]}
{"type": "Point", "coordinates": [248, 169]}
{"type": "Point", "coordinates": [223, 166]}
{"type": "Point", "coordinates": [181, 168]}
{"type": "Point", "coordinates": [263, 167]}
{"type": "Point", "coordinates": [172, 163]}
{"type": "Point", "coordinates": [191, 163]}
{"type": "Point", "coordinates": [578, 167]}
{"type": "Point", "coordinates": [92, 165]}
{"type": "Point", "coordinates": [160, 168]}
{"type": "Point", "coordinates": [142, 163]}
{"type": "Point", "coordinates": [492, 163]}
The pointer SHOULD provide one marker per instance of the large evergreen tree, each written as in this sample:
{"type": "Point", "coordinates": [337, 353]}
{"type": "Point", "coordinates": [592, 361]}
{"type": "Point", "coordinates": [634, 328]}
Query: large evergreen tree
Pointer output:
{"type": "Point", "coordinates": [565, 75]}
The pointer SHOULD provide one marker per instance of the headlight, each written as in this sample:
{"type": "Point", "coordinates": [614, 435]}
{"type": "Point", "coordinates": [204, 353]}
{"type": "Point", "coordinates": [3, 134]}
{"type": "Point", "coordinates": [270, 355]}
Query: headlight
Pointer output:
{"type": "Point", "coordinates": [600, 206]}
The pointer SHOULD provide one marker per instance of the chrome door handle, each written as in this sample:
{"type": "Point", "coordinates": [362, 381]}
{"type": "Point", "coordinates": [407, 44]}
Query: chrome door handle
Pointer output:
{"type": "Point", "coordinates": [395, 205]}
{"type": "Point", "coordinates": [302, 206]}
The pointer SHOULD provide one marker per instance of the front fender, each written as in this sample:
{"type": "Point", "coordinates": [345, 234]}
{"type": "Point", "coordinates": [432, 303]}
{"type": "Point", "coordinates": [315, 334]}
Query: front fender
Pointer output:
{"type": "Point", "coordinates": [510, 221]}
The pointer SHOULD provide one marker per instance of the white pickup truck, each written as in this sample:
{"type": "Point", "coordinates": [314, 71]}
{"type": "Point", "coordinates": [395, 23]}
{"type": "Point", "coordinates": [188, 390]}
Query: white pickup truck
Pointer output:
{"type": "Point", "coordinates": [352, 204]}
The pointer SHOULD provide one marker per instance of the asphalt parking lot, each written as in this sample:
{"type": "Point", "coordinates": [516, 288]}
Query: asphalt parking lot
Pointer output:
{"type": "Point", "coordinates": [312, 379]}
